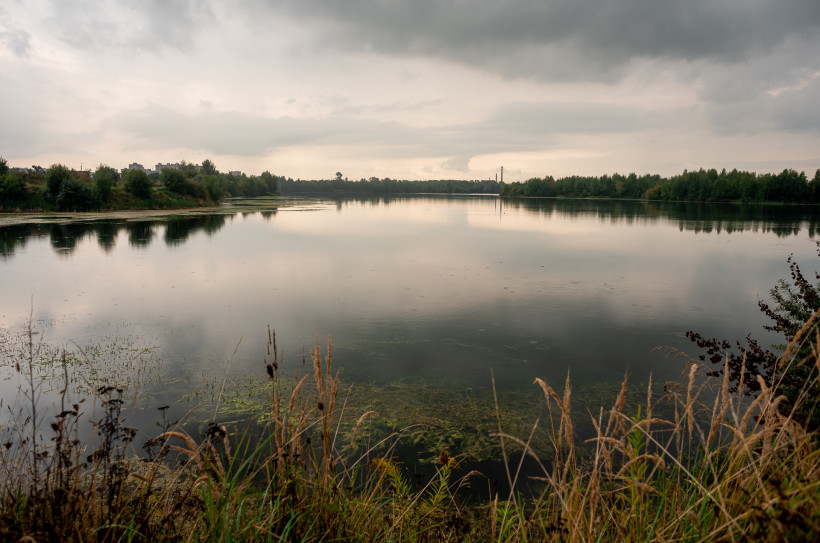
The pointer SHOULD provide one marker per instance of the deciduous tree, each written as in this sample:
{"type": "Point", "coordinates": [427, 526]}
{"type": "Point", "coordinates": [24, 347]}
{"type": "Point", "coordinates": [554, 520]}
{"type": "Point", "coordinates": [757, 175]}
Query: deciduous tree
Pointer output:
{"type": "Point", "coordinates": [105, 178]}
{"type": "Point", "coordinates": [137, 183]}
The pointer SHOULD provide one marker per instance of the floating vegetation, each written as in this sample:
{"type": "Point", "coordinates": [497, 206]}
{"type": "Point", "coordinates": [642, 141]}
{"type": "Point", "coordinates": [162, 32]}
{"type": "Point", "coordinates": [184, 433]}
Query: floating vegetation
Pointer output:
{"type": "Point", "coordinates": [428, 416]}
{"type": "Point", "coordinates": [117, 360]}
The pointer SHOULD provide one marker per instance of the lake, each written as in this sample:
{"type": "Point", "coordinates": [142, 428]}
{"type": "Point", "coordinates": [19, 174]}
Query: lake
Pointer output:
{"type": "Point", "coordinates": [424, 298]}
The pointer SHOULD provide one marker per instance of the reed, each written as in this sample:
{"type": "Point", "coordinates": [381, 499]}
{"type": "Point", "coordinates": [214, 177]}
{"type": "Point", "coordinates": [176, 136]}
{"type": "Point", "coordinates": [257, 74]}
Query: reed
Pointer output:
{"type": "Point", "coordinates": [696, 462]}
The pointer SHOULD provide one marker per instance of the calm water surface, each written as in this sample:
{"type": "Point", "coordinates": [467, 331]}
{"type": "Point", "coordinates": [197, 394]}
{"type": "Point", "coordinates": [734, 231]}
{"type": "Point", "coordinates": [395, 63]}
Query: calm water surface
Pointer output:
{"type": "Point", "coordinates": [433, 291]}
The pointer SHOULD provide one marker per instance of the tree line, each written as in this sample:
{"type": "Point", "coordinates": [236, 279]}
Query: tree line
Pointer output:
{"type": "Point", "coordinates": [788, 186]}
{"type": "Point", "coordinates": [377, 186]}
{"type": "Point", "coordinates": [60, 188]}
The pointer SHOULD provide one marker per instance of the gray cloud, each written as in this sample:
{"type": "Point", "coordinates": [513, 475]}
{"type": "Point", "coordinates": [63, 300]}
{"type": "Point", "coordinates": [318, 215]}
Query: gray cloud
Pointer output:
{"type": "Point", "coordinates": [514, 127]}
{"type": "Point", "coordinates": [796, 110]}
{"type": "Point", "coordinates": [150, 25]}
{"type": "Point", "coordinates": [548, 118]}
{"type": "Point", "coordinates": [18, 41]}
{"type": "Point", "coordinates": [235, 133]}
{"type": "Point", "coordinates": [585, 39]}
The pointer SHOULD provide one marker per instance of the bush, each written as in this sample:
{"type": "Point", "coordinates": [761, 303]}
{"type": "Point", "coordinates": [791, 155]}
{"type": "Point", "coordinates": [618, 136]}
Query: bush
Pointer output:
{"type": "Point", "coordinates": [75, 196]}
{"type": "Point", "coordinates": [796, 304]}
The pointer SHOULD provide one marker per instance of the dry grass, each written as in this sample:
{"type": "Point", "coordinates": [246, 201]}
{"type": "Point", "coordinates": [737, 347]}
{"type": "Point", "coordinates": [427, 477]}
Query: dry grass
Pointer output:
{"type": "Point", "coordinates": [696, 463]}
{"type": "Point", "coordinates": [730, 469]}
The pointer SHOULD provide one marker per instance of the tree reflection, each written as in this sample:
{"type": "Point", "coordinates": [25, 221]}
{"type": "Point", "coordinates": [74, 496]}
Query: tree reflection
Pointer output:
{"type": "Point", "coordinates": [780, 220]}
{"type": "Point", "coordinates": [140, 233]}
{"type": "Point", "coordinates": [106, 235]}
{"type": "Point", "coordinates": [64, 237]}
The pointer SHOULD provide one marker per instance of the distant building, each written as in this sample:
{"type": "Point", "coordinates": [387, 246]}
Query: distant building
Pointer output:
{"type": "Point", "coordinates": [173, 166]}
{"type": "Point", "coordinates": [135, 166]}
{"type": "Point", "coordinates": [236, 173]}
{"type": "Point", "coordinates": [167, 166]}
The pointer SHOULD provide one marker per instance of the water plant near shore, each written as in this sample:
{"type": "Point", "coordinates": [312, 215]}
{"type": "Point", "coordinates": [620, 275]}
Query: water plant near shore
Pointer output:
{"type": "Point", "coordinates": [699, 462]}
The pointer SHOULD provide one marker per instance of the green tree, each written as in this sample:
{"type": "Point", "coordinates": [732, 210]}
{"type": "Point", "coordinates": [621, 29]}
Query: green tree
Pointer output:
{"type": "Point", "coordinates": [272, 186]}
{"type": "Point", "coordinates": [75, 196]}
{"type": "Point", "coordinates": [214, 186]}
{"type": "Point", "coordinates": [105, 178]}
{"type": "Point", "coordinates": [814, 188]}
{"type": "Point", "coordinates": [12, 189]}
{"type": "Point", "coordinates": [4, 166]}
{"type": "Point", "coordinates": [208, 167]}
{"type": "Point", "coordinates": [55, 177]}
{"type": "Point", "coordinates": [175, 181]}
{"type": "Point", "coordinates": [137, 183]}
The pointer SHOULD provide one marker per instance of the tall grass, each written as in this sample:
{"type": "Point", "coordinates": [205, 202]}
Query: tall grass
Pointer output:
{"type": "Point", "coordinates": [696, 462]}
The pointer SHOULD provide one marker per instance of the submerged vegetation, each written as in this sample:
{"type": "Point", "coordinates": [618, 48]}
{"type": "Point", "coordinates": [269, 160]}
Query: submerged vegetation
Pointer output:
{"type": "Point", "coordinates": [698, 461]}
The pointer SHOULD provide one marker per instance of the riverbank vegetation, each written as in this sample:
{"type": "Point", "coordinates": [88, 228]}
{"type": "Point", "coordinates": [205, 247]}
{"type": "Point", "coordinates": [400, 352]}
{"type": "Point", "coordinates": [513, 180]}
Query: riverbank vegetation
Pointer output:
{"type": "Point", "coordinates": [788, 186]}
{"type": "Point", "coordinates": [695, 460]}
{"type": "Point", "coordinates": [60, 188]}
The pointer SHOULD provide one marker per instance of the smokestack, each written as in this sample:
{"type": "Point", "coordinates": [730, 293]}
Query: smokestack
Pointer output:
{"type": "Point", "coordinates": [502, 174]}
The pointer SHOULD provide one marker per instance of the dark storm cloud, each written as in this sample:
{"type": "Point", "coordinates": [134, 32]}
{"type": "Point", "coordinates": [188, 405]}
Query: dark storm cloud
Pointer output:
{"type": "Point", "coordinates": [558, 38]}
{"type": "Point", "coordinates": [148, 25]}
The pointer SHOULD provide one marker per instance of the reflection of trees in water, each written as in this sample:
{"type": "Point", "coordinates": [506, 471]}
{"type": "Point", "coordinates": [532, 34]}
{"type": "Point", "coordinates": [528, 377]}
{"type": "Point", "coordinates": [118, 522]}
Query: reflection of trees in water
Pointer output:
{"type": "Point", "coordinates": [214, 223]}
{"type": "Point", "coordinates": [64, 237]}
{"type": "Point", "coordinates": [178, 230]}
{"type": "Point", "coordinates": [106, 235]}
{"type": "Point", "coordinates": [16, 236]}
{"type": "Point", "coordinates": [782, 221]}
{"type": "Point", "coordinates": [140, 233]}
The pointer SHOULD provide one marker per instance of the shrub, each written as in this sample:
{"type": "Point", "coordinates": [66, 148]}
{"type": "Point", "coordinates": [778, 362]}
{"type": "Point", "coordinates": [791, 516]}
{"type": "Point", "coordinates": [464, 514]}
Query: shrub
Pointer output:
{"type": "Point", "coordinates": [795, 304]}
{"type": "Point", "coordinates": [75, 196]}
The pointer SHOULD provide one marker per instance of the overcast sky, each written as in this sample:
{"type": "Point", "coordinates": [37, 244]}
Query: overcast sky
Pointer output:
{"type": "Point", "coordinates": [413, 89]}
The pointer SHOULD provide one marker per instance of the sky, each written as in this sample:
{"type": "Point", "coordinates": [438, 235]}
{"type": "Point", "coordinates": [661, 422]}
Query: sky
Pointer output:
{"type": "Point", "coordinates": [413, 89]}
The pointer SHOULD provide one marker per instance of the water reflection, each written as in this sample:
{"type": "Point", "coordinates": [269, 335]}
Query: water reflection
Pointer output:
{"type": "Point", "coordinates": [178, 230]}
{"type": "Point", "coordinates": [443, 290]}
{"type": "Point", "coordinates": [783, 221]}
{"type": "Point", "coordinates": [65, 237]}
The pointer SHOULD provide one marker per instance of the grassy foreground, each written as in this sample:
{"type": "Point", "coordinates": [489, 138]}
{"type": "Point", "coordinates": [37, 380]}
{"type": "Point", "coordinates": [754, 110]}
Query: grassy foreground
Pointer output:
{"type": "Point", "coordinates": [697, 463]}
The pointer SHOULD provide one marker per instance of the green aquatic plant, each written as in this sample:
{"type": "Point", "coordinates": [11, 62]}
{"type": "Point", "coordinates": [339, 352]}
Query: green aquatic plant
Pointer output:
{"type": "Point", "coordinates": [695, 462]}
